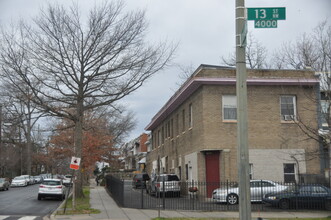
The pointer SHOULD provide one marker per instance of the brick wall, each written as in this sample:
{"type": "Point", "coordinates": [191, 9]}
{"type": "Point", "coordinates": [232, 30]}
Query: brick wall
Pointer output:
{"type": "Point", "coordinates": [265, 128]}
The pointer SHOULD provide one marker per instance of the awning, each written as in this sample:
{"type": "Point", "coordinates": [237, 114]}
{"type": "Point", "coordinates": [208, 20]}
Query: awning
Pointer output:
{"type": "Point", "coordinates": [143, 160]}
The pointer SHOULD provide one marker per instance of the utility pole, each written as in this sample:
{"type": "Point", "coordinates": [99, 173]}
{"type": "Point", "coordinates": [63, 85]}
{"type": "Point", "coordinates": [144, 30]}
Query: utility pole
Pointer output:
{"type": "Point", "coordinates": [242, 136]}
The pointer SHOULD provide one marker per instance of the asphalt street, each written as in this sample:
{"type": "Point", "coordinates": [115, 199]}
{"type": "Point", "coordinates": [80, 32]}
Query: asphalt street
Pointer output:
{"type": "Point", "coordinates": [23, 201]}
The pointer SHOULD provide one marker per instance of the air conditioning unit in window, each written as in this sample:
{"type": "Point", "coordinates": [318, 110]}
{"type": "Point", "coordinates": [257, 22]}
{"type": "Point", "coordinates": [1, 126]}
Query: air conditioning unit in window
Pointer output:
{"type": "Point", "coordinates": [288, 117]}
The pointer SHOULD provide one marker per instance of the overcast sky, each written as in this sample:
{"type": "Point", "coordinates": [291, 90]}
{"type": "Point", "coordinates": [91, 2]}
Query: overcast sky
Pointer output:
{"type": "Point", "coordinates": [205, 32]}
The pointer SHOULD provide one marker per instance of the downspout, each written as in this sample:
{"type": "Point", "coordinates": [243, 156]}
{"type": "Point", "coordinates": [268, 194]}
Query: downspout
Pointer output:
{"type": "Point", "coordinates": [324, 163]}
{"type": "Point", "coordinates": [297, 162]}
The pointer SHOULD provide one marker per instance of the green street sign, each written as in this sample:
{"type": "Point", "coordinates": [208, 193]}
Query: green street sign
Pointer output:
{"type": "Point", "coordinates": [266, 13]}
{"type": "Point", "coordinates": [265, 24]}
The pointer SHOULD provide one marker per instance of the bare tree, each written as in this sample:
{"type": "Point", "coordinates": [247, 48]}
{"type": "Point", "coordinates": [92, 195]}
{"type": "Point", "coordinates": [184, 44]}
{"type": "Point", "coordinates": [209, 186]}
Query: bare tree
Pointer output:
{"type": "Point", "coordinates": [20, 110]}
{"type": "Point", "coordinates": [313, 51]}
{"type": "Point", "coordinates": [185, 73]}
{"type": "Point", "coordinates": [298, 55]}
{"type": "Point", "coordinates": [310, 51]}
{"type": "Point", "coordinates": [121, 122]}
{"type": "Point", "coordinates": [256, 55]}
{"type": "Point", "coordinates": [79, 64]}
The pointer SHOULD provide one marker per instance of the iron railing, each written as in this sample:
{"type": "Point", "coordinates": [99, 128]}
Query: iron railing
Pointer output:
{"type": "Point", "coordinates": [200, 196]}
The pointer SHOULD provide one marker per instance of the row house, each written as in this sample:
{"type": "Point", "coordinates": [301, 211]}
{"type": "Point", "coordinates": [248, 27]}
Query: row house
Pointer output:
{"type": "Point", "coordinates": [194, 135]}
{"type": "Point", "coordinates": [134, 153]}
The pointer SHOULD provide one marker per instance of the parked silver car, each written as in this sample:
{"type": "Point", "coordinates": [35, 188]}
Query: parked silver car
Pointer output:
{"type": "Point", "coordinates": [258, 189]}
{"type": "Point", "coordinates": [19, 181]}
{"type": "Point", "coordinates": [4, 184]}
{"type": "Point", "coordinates": [167, 183]}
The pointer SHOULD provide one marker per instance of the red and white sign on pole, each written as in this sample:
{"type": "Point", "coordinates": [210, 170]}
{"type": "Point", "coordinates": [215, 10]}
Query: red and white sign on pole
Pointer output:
{"type": "Point", "coordinates": [75, 162]}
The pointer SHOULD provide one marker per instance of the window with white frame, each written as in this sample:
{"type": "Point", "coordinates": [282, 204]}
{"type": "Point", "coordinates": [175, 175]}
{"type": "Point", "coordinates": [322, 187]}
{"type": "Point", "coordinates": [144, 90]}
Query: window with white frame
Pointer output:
{"type": "Point", "coordinates": [288, 107]}
{"type": "Point", "coordinates": [229, 106]}
{"type": "Point", "coordinates": [289, 172]}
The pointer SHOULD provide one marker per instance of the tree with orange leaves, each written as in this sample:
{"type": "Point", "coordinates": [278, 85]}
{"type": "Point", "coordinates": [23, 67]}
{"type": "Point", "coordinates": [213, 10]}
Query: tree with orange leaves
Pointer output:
{"type": "Point", "coordinates": [101, 134]}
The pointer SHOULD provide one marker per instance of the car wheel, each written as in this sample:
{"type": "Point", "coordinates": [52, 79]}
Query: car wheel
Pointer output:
{"type": "Point", "coordinates": [328, 205]}
{"type": "Point", "coordinates": [39, 197]}
{"type": "Point", "coordinates": [284, 204]}
{"type": "Point", "coordinates": [232, 199]}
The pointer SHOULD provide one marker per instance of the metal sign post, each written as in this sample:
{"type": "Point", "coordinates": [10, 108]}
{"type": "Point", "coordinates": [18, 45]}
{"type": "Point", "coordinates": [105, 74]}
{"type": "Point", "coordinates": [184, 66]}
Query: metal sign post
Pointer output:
{"type": "Point", "coordinates": [68, 191]}
{"type": "Point", "coordinates": [74, 164]}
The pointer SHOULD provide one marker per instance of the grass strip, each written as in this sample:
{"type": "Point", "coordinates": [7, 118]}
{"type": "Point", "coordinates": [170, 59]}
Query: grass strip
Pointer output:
{"type": "Point", "coordinates": [82, 205]}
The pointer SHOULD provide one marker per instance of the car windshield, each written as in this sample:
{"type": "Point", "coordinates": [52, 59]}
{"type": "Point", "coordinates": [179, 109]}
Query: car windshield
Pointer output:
{"type": "Point", "coordinates": [169, 178]}
{"type": "Point", "coordinates": [19, 178]}
{"type": "Point", "coordinates": [51, 182]}
{"type": "Point", "coordinates": [68, 176]}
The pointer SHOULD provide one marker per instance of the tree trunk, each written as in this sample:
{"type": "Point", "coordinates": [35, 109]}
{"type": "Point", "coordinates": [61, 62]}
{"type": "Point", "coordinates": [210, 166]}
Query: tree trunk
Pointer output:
{"type": "Point", "coordinates": [28, 146]}
{"type": "Point", "coordinates": [28, 137]}
{"type": "Point", "coordinates": [79, 148]}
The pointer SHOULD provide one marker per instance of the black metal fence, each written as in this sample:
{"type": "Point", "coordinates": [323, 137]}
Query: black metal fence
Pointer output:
{"type": "Point", "coordinates": [203, 196]}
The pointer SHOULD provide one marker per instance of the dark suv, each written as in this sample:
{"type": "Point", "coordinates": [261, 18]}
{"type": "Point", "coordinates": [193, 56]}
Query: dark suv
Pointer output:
{"type": "Point", "coordinates": [139, 180]}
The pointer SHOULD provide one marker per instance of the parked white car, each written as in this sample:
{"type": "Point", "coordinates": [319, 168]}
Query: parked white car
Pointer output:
{"type": "Point", "coordinates": [258, 189]}
{"type": "Point", "coordinates": [29, 179]}
{"type": "Point", "coordinates": [51, 188]}
{"type": "Point", "coordinates": [67, 180]}
{"type": "Point", "coordinates": [37, 179]}
{"type": "Point", "coordinates": [19, 181]}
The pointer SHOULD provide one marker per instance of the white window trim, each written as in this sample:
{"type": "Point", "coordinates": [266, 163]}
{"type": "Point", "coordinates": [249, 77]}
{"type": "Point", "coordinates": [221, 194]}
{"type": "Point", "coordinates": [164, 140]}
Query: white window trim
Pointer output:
{"type": "Point", "coordinates": [288, 118]}
{"type": "Point", "coordinates": [228, 120]}
{"type": "Point", "coordinates": [295, 171]}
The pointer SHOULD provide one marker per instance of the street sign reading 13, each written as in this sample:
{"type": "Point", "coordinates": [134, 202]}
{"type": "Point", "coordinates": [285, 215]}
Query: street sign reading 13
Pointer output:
{"type": "Point", "coordinates": [266, 13]}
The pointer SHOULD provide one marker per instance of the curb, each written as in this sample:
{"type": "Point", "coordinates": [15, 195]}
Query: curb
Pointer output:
{"type": "Point", "coordinates": [52, 216]}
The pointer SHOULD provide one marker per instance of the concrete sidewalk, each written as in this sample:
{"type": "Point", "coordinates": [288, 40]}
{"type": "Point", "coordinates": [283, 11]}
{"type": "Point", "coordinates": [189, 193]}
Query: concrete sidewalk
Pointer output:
{"type": "Point", "coordinates": [99, 199]}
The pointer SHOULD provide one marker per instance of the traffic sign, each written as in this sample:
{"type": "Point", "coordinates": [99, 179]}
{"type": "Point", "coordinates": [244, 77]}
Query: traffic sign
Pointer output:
{"type": "Point", "coordinates": [265, 24]}
{"type": "Point", "coordinates": [266, 13]}
{"type": "Point", "coordinates": [75, 162]}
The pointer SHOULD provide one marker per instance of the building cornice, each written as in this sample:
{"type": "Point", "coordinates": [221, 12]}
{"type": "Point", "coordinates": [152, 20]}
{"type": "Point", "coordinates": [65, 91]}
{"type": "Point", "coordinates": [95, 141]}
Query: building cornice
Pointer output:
{"type": "Point", "coordinates": [194, 83]}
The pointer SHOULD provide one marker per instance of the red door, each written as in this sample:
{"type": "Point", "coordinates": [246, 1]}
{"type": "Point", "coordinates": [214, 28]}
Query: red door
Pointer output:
{"type": "Point", "coordinates": [212, 171]}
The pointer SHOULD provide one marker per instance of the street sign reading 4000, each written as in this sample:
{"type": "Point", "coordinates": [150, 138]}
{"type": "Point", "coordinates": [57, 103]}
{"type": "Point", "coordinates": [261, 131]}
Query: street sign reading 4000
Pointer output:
{"type": "Point", "coordinates": [265, 24]}
{"type": "Point", "coordinates": [266, 13]}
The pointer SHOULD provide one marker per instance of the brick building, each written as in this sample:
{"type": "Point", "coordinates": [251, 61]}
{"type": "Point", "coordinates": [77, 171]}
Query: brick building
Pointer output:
{"type": "Point", "coordinates": [134, 153]}
{"type": "Point", "coordinates": [194, 133]}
